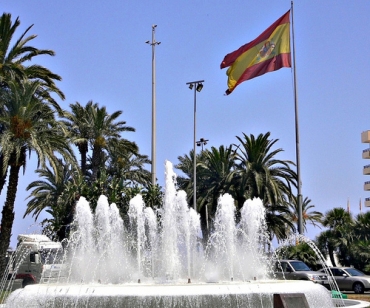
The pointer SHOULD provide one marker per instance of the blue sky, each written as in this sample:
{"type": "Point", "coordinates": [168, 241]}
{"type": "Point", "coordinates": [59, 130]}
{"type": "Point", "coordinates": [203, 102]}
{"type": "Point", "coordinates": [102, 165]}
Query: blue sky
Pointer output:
{"type": "Point", "coordinates": [102, 56]}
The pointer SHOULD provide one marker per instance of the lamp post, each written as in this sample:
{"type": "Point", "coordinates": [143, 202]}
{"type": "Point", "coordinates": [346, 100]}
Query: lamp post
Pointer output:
{"type": "Point", "coordinates": [153, 43]}
{"type": "Point", "coordinates": [198, 86]}
{"type": "Point", "coordinates": [202, 142]}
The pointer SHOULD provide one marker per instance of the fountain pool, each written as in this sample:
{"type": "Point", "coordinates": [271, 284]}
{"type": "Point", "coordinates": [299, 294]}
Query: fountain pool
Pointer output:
{"type": "Point", "coordinates": [236, 294]}
{"type": "Point", "coordinates": [157, 259]}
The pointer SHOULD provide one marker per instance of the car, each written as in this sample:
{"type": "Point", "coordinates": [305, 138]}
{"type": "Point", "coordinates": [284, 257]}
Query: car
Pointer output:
{"type": "Point", "coordinates": [350, 279]}
{"type": "Point", "coordinates": [298, 270]}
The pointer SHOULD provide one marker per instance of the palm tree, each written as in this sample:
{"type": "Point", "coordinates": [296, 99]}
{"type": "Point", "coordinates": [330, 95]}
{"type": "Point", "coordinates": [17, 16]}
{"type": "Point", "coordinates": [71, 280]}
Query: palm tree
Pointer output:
{"type": "Point", "coordinates": [359, 252]}
{"type": "Point", "coordinates": [13, 58]}
{"type": "Point", "coordinates": [91, 127]}
{"type": "Point", "coordinates": [48, 194]}
{"type": "Point", "coordinates": [13, 68]}
{"type": "Point", "coordinates": [3, 169]}
{"type": "Point", "coordinates": [339, 236]}
{"type": "Point", "coordinates": [153, 196]}
{"type": "Point", "coordinates": [215, 171]}
{"type": "Point", "coordinates": [185, 182]}
{"type": "Point", "coordinates": [126, 165]}
{"type": "Point", "coordinates": [327, 243]}
{"type": "Point", "coordinates": [262, 175]}
{"type": "Point", "coordinates": [29, 126]}
{"type": "Point", "coordinates": [105, 129]}
{"type": "Point", "coordinates": [214, 175]}
{"type": "Point", "coordinates": [78, 125]}
{"type": "Point", "coordinates": [337, 218]}
{"type": "Point", "coordinates": [313, 217]}
{"type": "Point", "coordinates": [362, 226]}
{"type": "Point", "coordinates": [278, 224]}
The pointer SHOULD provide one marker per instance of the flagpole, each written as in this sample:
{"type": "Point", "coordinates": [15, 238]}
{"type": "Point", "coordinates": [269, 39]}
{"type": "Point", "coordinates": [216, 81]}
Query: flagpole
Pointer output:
{"type": "Point", "coordinates": [300, 220]}
{"type": "Point", "coordinates": [154, 133]}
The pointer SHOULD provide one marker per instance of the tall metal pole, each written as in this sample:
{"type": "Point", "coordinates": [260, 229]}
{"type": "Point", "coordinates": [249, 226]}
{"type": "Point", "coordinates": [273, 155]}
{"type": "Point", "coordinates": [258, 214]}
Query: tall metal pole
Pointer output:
{"type": "Point", "coordinates": [195, 152]}
{"type": "Point", "coordinates": [197, 85]}
{"type": "Point", "coordinates": [202, 142]}
{"type": "Point", "coordinates": [154, 133]}
{"type": "Point", "coordinates": [300, 218]}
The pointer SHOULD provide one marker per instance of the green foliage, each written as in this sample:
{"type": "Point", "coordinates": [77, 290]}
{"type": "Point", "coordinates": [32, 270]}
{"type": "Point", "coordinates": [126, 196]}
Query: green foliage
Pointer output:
{"type": "Point", "coordinates": [347, 238]}
{"type": "Point", "coordinates": [300, 251]}
{"type": "Point", "coordinates": [308, 216]}
{"type": "Point", "coordinates": [249, 170]}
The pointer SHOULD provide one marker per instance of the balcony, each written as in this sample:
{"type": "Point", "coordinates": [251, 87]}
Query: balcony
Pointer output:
{"type": "Point", "coordinates": [367, 202]}
{"type": "Point", "coordinates": [366, 153]}
{"type": "Point", "coordinates": [366, 170]}
{"type": "Point", "coordinates": [367, 185]}
{"type": "Point", "coordinates": [365, 136]}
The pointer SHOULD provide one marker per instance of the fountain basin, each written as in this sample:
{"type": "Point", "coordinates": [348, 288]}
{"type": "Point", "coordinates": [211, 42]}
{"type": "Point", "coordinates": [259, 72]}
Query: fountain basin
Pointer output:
{"type": "Point", "coordinates": [353, 303]}
{"type": "Point", "coordinates": [235, 294]}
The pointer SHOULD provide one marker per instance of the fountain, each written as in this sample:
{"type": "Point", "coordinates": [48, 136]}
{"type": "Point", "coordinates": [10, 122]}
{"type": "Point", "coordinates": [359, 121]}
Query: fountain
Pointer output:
{"type": "Point", "coordinates": [156, 259]}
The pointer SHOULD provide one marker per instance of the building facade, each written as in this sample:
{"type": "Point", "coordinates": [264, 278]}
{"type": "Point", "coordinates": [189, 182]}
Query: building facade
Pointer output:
{"type": "Point", "coordinates": [365, 138]}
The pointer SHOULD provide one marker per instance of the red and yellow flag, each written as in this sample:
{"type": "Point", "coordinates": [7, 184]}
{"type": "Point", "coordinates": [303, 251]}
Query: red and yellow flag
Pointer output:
{"type": "Point", "coordinates": [268, 52]}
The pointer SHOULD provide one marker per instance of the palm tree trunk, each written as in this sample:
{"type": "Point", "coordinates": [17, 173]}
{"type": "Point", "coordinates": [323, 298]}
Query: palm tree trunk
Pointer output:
{"type": "Point", "coordinates": [7, 218]}
{"type": "Point", "coordinates": [331, 255]}
{"type": "Point", "coordinates": [2, 177]}
{"type": "Point", "coordinates": [96, 161]}
{"type": "Point", "coordinates": [203, 225]}
{"type": "Point", "coordinates": [83, 148]}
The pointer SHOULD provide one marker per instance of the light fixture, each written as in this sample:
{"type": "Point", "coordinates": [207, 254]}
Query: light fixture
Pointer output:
{"type": "Point", "coordinates": [199, 87]}
{"type": "Point", "coordinates": [190, 86]}
{"type": "Point", "coordinates": [202, 142]}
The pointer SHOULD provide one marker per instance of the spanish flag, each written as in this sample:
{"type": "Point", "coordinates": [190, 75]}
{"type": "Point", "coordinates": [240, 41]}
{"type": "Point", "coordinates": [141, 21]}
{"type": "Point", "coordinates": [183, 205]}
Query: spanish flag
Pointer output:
{"type": "Point", "coordinates": [268, 52]}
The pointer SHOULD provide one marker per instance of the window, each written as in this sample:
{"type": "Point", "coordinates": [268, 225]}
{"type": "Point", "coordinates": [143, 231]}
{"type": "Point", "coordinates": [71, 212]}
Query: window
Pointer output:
{"type": "Point", "coordinates": [300, 266]}
{"type": "Point", "coordinates": [32, 257]}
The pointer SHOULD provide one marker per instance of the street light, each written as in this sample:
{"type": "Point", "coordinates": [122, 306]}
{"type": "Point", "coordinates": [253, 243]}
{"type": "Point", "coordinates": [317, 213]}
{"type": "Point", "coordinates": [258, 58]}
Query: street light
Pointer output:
{"type": "Point", "coordinates": [202, 142]}
{"type": "Point", "coordinates": [198, 86]}
{"type": "Point", "coordinates": [153, 43]}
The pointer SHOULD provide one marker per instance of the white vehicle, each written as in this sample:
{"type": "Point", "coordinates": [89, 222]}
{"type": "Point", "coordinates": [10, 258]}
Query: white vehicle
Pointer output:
{"type": "Point", "coordinates": [37, 259]}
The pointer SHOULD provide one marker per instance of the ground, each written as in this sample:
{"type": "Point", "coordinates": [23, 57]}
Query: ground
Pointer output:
{"type": "Point", "coordinates": [361, 297]}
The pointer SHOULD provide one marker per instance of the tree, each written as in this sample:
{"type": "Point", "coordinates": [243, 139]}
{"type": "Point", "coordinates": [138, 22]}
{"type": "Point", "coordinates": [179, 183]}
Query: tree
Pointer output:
{"type": "Point", "coordinates": [46, 192]}
{"type": "Point", "coordinates": [186, 181]}
{"type": "Point", "coordinates": [215, 170]}
{"type": "Point", "coordinates": [13, 58]}
{"type": "Point", "coordinates": [337, 218]}
{"type": "Point", "coordinates": [327, 243]}
{"type": "Point", "coordinates": [214, 176]}
{"type": "Point", "coordinates": [78, 125]}
{"type": "Point", "coordinates": [358, 254]}
{"type": "Point", "coordinates": [123, 161]}
{"type": "Point", "coordinates": [104, 130]}
{"type": "Point", "coordinates": [278, 224]}
{"type": "Point", "coordinates": [13, 68]}
{"type": "Point", "coordinates": [261, 175]}
{"type": "Point", "coordinates": [362, 226]}
{"type": "Point", "coordinates": [313, 217]}
{"type": "Point", "coordinates": [302, 252]}
{"type": "Point", "coordinates": [29, 126]}
{"type": "Point", "coordinates": [337, 239]}
{"type": "Point", "coordinates": [52, 194]}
